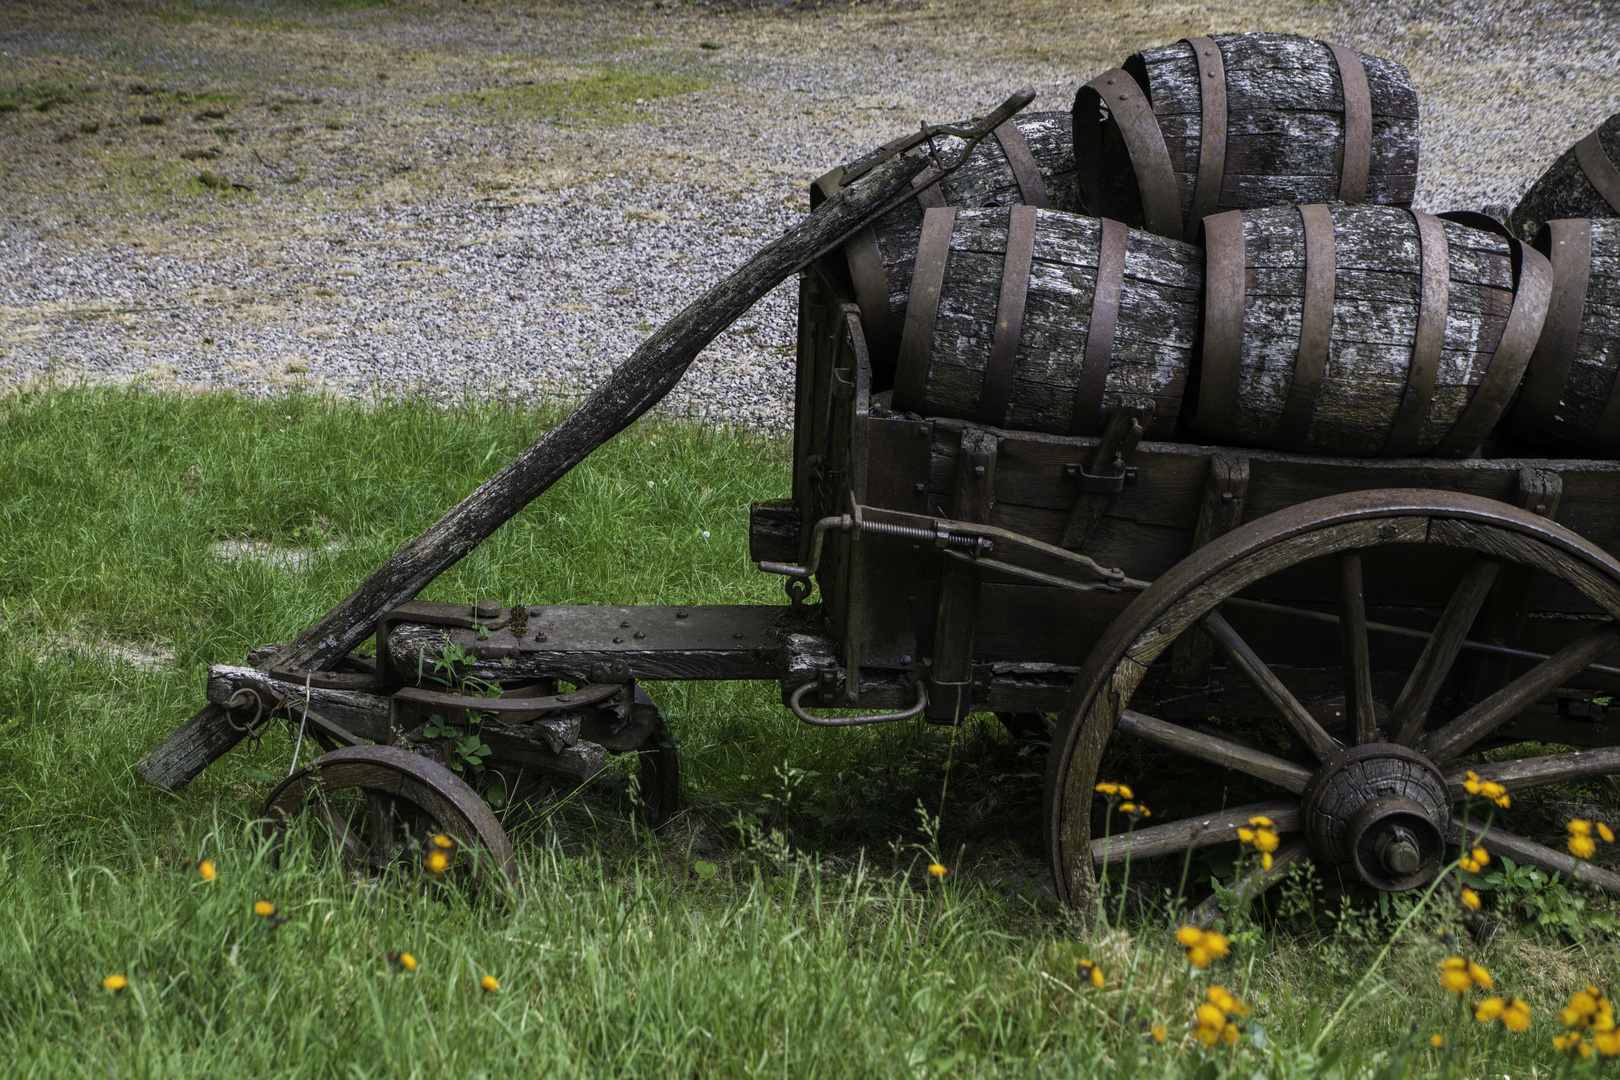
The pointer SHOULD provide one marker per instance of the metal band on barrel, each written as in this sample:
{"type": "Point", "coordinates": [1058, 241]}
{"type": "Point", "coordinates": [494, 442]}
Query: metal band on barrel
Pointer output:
{"type": "Point", "coordinates": [1600, 172]}
{"type": "Point", "coordinates": [1224, 283]}
{"type": "Point", "coordinates": [1570, 251]}
{"type": "Point", "coordinates": [1211, 132]}
{"type": "Point", "coordinates": [1315, 328]}
{"type": "Point", "coordinates": [998, 370]}
{"type": "Point", "coordinates": [930, 196]}
{"type": "Point", "coordinates": [1357, 159]}
{"type": "Point", "coordinates": [1086, 419]}
{"type": "Point", "coordinates": [1031, 188]}
{"type": "Point", "coordinates": [922, 308]}
{"type": "Point", "coordinates": [1434, 259]}
{"type": "Point", "coordinates": [871, 287]}
{"type": "Point", "coordinates": [1156, 182]}
{"type": "Point", "coordinates": [1532, 295]}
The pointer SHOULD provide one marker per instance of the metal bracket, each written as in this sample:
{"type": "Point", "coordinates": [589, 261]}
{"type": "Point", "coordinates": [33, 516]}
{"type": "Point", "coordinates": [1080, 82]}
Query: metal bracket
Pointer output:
{"type": "Point", "coordinates": [1107, 475]}
{"type": "Point", "coordinates": [611, 671]}
{"type": "Point", "coordinates": [1108, 483]}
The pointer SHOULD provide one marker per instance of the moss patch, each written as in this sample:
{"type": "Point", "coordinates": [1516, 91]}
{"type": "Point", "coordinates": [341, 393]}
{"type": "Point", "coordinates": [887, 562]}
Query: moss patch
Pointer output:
{"type": "Point", "coordinates": [599, 96]}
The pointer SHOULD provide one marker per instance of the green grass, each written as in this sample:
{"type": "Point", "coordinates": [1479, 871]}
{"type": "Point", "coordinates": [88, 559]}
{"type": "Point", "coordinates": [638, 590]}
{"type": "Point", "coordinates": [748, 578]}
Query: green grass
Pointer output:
{"type": "Point", "coordinates": [602, 96]}
{"type": "Point", "coordinates": [783, 924]}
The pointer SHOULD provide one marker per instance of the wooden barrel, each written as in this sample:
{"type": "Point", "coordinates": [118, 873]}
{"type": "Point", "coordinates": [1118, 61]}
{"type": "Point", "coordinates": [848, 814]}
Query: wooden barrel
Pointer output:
{"type": "Point", "coordinates": [1243, 120]}
{"type": "Point", "coordinates": [1045, 321]}
{"type": "Point", "coordinates": [1571, 399]}
{"type": "Point", "coordinates": [1029, 161]}
{"type": "Point", "coordinates": [1362, 330]}
{"type": "Point", "coordinates": [1583, 183]}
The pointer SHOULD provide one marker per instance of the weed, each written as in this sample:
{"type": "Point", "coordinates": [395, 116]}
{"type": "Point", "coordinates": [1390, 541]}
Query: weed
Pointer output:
{"type": "Point", "coordinates": [605, 95]}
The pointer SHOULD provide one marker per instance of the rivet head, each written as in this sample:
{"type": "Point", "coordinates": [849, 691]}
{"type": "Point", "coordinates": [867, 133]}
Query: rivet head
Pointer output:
{"type": "Point", "coordinates": [1388, 531]}
{"type": "Point", "coordinates": [1110, 82]}
{"type": "Point", "coordinates": [916, 489]}
{"type": "Point", "coordinates": [978, 470]}
{"type": "Point", "coordinates": [738, 635]}
{"type": "Point", "coordinates": [625, 625]}
{"type": "Point", "coordinates": [640, 634]}
{"type": "Point", "coordinates": [1124, 97]}
{"type": "Point", "coordinates": [905, 659]}
{"type": "Point", "coordinates": [681, 614]}
{"type": "Point", "coordinates": [618, 641]}
{"type": "Point", "coordinates": [540, 637]}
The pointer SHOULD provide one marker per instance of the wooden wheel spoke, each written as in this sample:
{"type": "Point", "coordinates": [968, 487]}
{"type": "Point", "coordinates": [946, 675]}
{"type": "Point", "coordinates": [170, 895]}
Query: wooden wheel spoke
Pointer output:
{"type": "Point", "coordinates": [1536, 771]}
{"type": "Point", "coordinates": [1447, 743]}
{"type": "Point", "coordinates": [1263, 679]}
{"type": "Point", "coordinates": [1193, 832]}
{"type": "Point", "coordinates": [1216, 751]}
{"type": "Point", "coordinates": [1256, 880]}
{"type": "Point", "coordinates": [1357, 658]}
{"type": "Point", "coordinates": [1529, 853]}
{"type": "Point", "coordinates": [1440, 652]}
{"type": "Point", "coordinates": [380, 819]}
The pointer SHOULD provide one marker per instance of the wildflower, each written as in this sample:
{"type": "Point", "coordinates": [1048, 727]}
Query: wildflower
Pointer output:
{"type": "Point", "coordinates": [1159, 1033]}
{"type": "Point", "coordinates": [1213, 1020]}
{"type": "Point", "coordinates": [1481, 977]}
{"type": "Point", "coordinates": [1111, 789]}
{"type": "Point", "coordinates": [1607, 1043]}
{"type": "Point", "coordinates": [1572, 1043]}
{"type": "Point", "coordinates": [443, 842]}
{"type": "Point", "coordinates": [1090, 972]}
{"type": "Point", "coordinates": [1262, 836]}
{"type": "Point", "coordinates": [489, 983]}
{"type": "Point", "coordinates": [1489, 1009]}
{"type": "Point", "coordinates": [1475, 861]}
{"type": "Point", "coordinates": [1208, 1023]}
{"type": "Point", "coordinates": [1454, 975]}
{"type": "Point", "coordinates": [1437, 1040]}
{"type": "Point", "coordinates": [1516, 1016]}
{"type": "Point", "coordinates": [1220, 997]}
{"type": "Point", "coordinates": [1582, 847]}
{"type": "Point", "coordinates": [115, 983]}
{"type": "Point", "coordinates": [1486, 789]}
{"type": "Point", "coordinates": [1470, 899]}
{"type": "Point", "coordinates": [402, 960]}
{"type": "Point", "coordinates": [264, 909]}
{"type": "Point", "coordinates": [437, 863]}
{"type": "Point", "coordinates": [1203, 946]}
{"type": "Point", "coordinates": [937, 870]}
{"type": "Point", "coordinates": [1605, 832]}
{"type": "Point", "coordinates": [205, 869]}
{"type": "Point", "coordinates": [1581, 844]}
{"type": "Point", "coordinates": [1136, 810]}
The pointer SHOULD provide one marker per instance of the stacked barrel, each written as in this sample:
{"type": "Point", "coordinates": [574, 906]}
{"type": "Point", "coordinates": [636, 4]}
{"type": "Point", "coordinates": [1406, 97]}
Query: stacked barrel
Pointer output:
{"type": "Point", "coordinates": [1219, 235]}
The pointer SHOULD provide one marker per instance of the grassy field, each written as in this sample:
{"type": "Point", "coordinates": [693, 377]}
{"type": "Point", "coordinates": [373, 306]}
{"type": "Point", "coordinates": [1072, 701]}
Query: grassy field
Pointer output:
{"type": "Point", "coordinates": [784, 924]}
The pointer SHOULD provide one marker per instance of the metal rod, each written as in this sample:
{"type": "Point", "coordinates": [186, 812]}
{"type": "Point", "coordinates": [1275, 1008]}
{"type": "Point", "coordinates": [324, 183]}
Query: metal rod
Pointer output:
{"type": "Point", "coordinates": [1402, 631]}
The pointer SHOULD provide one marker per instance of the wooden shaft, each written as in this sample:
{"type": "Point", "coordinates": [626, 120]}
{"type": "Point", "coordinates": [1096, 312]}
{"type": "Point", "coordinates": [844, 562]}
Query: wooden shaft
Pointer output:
{"type": "Point", "coordinates": [1537, 771]}
{"type": "Point", "coordinates": [1440, 653]}
{"type": "Point", "coordinates": [1193, 832]}
{"type": "Point", "coordinates": [1222, 752]}
{"type": "Point", "coordinates": [1453, 740]}
{"type": "Point", "coordinates": [634, 387]}
{"type": "Point", "coordinates": [1529, 853]}
{"type": "Point", "coordinates": [1358, 692]}
{"type": "Point", "coordinates": [1260, 675]}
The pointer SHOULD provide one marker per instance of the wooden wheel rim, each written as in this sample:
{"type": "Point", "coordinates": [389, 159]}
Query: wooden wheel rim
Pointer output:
{"type": "Point", "coordinates": [1201, 582]}
{"type": "Point", "coordinates": [454, 807]}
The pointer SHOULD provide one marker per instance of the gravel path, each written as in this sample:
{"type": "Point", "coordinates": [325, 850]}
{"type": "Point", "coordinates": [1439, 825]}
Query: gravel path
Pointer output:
{"type": "Point", "coordinates": [395, 233]}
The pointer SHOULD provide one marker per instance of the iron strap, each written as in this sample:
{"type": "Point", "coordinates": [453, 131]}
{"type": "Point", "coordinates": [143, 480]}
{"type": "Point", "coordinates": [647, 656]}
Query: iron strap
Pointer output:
{"type": "Point", "coordinates": [1570, 249]}
{"type": "Point", "coordinates": [865, 261]}
{"type": "Point", "coordinates": [1434, 262]}
{"type": "Point", "coordinates": [1600, 172]}
{"type": "Point", "coordinates": [1315, 328]}
{"type": "Point", "coordinates": [928, 194]}
{"type": "Point", "coordinates": [998, 370]}
{"type": "Point", "coordinates": [1532, 294]}
{"type": "Point", "coordinates": [1211, 132]}
{"type": "Point", "coordinates": [922, 307]}
{"type": "Point", "coordinates": [1027, 174]}
{"type": "Point", "coordinates": [1086, 418]}
{"type": "Point", "coordinates": [1225, 280]}
{"type": "Point", "coordinates": [1156, 182]}
{"type": "Point", "coordinates": [1356, 161]}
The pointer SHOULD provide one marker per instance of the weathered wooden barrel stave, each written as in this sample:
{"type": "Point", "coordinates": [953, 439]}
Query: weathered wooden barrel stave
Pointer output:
{"type": "Point", "coordinates": [1155, 150]}
{"type": "Point", "coordinates": [1583, 183]}
{"type": "Point", "coordinates": [1026, 342]}
{"type": "Point", "coordinates": [1028, 161]}
{"type": "Point", "coordinates": [1362, 331]}
{"type": "Point", "coordinates": [1570, 400]}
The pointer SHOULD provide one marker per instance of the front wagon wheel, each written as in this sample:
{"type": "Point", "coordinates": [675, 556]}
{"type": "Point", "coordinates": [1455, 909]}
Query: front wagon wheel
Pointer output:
{"type": "Point", "coordinates": [1354, 674]}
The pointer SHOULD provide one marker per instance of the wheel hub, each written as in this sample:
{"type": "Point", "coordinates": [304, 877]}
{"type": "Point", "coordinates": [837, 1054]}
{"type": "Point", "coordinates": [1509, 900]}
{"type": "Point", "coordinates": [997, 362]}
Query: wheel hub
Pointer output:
{"type": "Point", "coordinates": [1382, 810]}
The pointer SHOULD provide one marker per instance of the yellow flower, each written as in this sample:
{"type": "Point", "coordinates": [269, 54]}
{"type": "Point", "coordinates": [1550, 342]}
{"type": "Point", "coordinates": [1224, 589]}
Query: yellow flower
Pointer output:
{"type": "Point", "coordinates": [1572, 1043]}
{"type": "Point", "coordinates": [1209, 1022]}
{"type": "Point", "coordinates": [1489, 1009]}
{"type": "Point", "coordinates": [1265, 861]}
{"type": "Point", "coordinates": [1105, 788]}
{"type": "Point", "coordinates": [1218, 945]}
{"type": "Point", "coordinates": [206, 871]}
{"type": "Point", "coordinates": [1470, 899]}
{"type": "Point", "coordinates": [440, 840]}
{"type": "Point", "coordinates": [1475, 861]}
{"type": "Point", "coordinates": [1437, 1040]}
{"type": "Point", "coordinates": [1454, 975]}
{"type": "Point", "coordinates": [1516, 1016]}
{"type": "Point", "coordinates": [1607, 1043]}
{"type": "Point", "coordinates": [489, 983]}
{"type": "Point", "coordinates": [264, 909]}
{"type": "Point", "coordinates": [437, 862]}
{"type": "Point", "coordinates": [1605, 832]}
{"type": "Point", "coordinates": [1582, 847]}
{"type": "Point", "coordinates": [116, 983]}
{"type": "Point", "coordinates": [1189, 936]}
{"type": "Point", "coordinates": [1471, 782]}
{"type": "Point", "coordinates": [1090, 972]}
{"type": "Point", "coordinates": [1580, 827]}
{"type": "Point", "coordinates": [1481, 977]}
{"type": "Point", "coordinates": [402, 960]}
{"type": "Point", "coordinates": [937, 870]}
{"type": "Point", "coordinates": [1159, 1033]}
{"type": "Point", "coordinates": [1222, 999]}
{"type": "Point", "coordinates": [1229, 1033]}
{"type": "Point", "coordinates": [1260, 821]}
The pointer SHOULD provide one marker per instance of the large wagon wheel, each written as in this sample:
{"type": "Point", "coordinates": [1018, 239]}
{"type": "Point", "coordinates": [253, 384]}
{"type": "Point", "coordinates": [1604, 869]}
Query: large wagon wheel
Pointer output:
{"type": "Point", "coordinates": [1381, 799]}
{"type": "Point", "coordinates": [382, 804]}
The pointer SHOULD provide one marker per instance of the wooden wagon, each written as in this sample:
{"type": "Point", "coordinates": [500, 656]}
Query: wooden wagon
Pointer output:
{"type": "Point", "coordinates": [1337, 638]}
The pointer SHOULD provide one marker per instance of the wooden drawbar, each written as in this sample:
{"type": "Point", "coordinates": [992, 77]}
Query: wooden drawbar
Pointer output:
{"type": "Point", "coordinates": [1363, 330]}
{"type": "Point", "coordinates": [1029, 161]}
{"type": "Point", "coordinates": [1571, 399]}
{"type": "Point", "coordinates": [1044, 321]}
{"type": "Point", "coordinates": [1583, 183]}
{"type": "Point", "coordinates": [1243, 120]}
